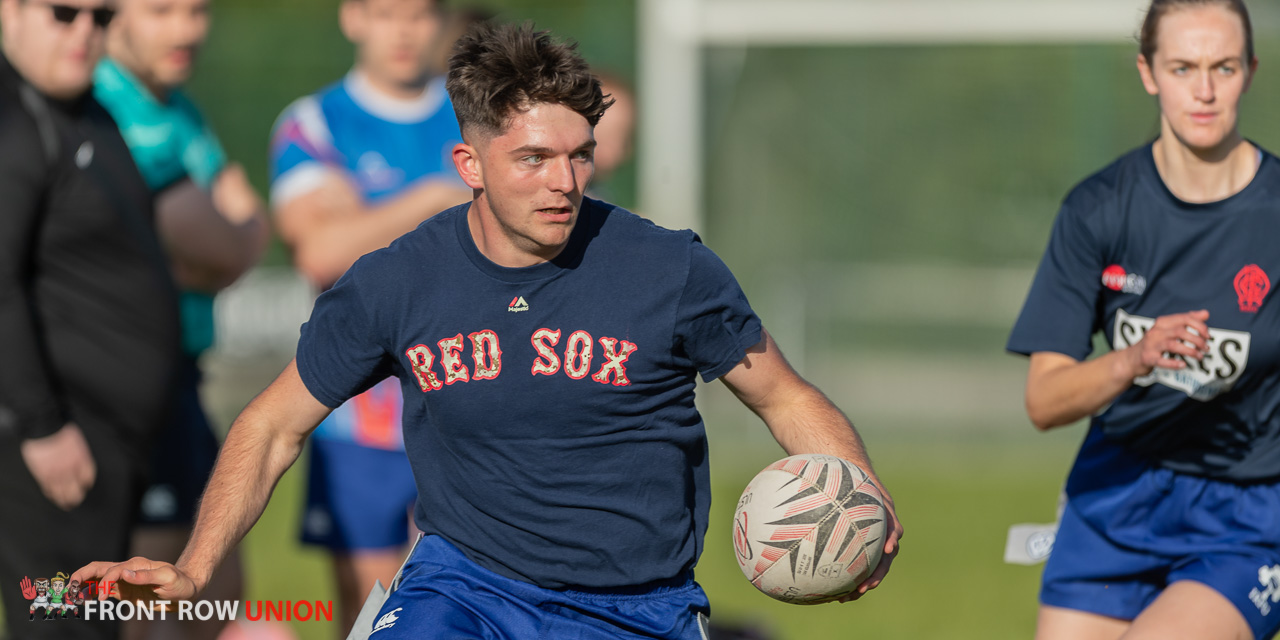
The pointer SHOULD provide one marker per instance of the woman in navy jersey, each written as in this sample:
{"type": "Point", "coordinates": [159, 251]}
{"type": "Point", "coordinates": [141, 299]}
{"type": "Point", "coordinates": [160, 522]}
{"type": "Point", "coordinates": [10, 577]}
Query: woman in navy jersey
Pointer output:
{"type": "Point", "coordinates": [1172, 524]}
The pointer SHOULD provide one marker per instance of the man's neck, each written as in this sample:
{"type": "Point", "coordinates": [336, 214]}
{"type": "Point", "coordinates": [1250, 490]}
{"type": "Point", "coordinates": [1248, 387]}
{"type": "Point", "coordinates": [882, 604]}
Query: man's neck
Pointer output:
{"type": "Point", "coordinates": [1204, 175]}
{"type": "Point", "coordinates": [394, 90]}
{"type": "Point", "coordinates": [495, 244]}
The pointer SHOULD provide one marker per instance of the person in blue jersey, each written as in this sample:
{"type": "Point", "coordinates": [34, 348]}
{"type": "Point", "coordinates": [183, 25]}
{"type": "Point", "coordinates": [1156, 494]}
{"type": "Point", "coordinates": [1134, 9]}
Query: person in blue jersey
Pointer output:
{"type": "Point", "coordinates": [214, 228]}
{"type": "Point", "coordinates": [547, 346]}
{"type": "Point", "coordinates": [1169, 529]}
{"type": "Point", "coordinates": [353, 167]}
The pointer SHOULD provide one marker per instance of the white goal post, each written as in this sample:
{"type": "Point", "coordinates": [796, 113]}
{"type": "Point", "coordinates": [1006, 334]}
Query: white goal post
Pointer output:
{"type": "Point", "coordinates": [675, 33]}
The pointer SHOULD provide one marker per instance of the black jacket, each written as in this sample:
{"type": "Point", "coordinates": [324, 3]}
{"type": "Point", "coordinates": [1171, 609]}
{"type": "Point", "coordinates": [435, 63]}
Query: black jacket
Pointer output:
{"type": "Point", "coordinates": [88, 310]}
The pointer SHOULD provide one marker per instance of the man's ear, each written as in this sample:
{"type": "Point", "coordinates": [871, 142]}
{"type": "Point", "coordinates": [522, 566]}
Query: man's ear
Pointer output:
{"type": "Point", "coordinates": [467, 161]}
{"type": "Point", "coordinates": [351, 19]}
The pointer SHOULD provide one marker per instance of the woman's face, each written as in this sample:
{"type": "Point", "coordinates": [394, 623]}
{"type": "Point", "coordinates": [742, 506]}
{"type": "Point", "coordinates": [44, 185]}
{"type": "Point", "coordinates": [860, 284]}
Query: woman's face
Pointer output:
{"type": "Point", "coordinates": [1199, 72]}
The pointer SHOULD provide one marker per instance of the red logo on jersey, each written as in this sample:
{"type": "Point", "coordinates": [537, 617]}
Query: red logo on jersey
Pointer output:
{"type": "Point", "coordinates": [1113, 277]}
{"type": "Point", "coordinates": [1252, 285]}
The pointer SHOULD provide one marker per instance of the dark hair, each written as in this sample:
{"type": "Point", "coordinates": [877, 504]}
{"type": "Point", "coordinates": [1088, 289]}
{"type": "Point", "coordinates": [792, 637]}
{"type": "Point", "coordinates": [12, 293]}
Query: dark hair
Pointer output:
{"type": "Point", "coordinates": [1161, 8]}
{"type": "Point", "coordinates": [498, 70]}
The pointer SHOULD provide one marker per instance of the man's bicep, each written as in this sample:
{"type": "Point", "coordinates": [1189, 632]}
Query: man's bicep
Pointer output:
{"type": "Point", "coordinates": [289, 405]}
{"type": "Point", "coordinates": [762, 376]}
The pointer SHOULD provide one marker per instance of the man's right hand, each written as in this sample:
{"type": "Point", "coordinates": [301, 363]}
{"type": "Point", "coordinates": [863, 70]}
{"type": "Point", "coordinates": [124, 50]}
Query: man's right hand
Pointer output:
{"type": "Point", "coordinates": [138, 579]}
{"type": "Point", "coordinates": [62, 465]}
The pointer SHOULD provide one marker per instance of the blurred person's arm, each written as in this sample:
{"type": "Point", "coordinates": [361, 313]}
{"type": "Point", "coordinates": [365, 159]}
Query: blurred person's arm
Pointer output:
{"type": "Point", "coordinates": [53, 449]}
{"type": "Point", "coordinates": [1062, 390]}
{"type": "Point", "coordinates": [329, 228]}
{"type": "Point", "coordinates": [212, 237]}
{"type": "Point", "coordinates": [803, 420]}
{"type": "Point", "coordinates": [262, 444]}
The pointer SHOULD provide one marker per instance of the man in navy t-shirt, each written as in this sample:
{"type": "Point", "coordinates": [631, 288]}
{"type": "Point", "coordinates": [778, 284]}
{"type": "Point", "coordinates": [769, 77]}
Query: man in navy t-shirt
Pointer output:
{"type": "Point", "coordinates": [547, 347]}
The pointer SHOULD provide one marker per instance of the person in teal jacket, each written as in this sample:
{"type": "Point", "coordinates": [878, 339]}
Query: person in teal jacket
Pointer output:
{"type": "Point", "coordinates": [214, 229]}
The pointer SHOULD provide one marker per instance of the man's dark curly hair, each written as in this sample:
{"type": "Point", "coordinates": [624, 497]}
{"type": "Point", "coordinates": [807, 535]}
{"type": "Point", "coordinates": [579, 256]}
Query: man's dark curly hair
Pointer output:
{"type": "Point", "coordinates": [499, 70]}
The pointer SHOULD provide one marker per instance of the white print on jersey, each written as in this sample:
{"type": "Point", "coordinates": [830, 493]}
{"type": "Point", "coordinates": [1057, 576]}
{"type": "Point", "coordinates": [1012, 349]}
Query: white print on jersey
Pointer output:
{"type": "Point", "coordinates": [387, 621]}
{"type": "Point", "coordinates": [517, 305]}
{"type": "Point", "coordinates": [1202, 380]}
{"type": "Point", "coordinates": [1270, 592]}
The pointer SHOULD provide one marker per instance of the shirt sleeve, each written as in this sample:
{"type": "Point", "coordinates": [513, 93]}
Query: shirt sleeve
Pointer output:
{"type": "Point", "coordinates": [339, 355]}
{"type": "Point", "coordinates": [202, 155]}
{"type": "Point", "coordinates": [28, 401]}
{"type": "Point", "coordinates": [302, 151]}
{"type": "Point", "coordinates": [715, 324]}
{"type": "Point", "coordinates": [1061, 312]}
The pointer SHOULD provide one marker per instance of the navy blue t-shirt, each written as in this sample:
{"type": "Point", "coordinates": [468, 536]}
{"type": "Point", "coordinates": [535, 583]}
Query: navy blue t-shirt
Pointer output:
{"type": "Point", "coordinates": [549, 411]}
{"type": "Point", "coordinates": [1125, 251]}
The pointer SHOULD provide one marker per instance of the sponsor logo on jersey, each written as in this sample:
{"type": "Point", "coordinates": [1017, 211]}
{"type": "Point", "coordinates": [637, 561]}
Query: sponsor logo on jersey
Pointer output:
{"type": "Point", "coordinates": [1115, 278]}
{"type": "Point", "coordinates": [84, 155]}
{"type": "Point", "coordinates": [376, 174]}
{"type": "Point", "coordinates": [517, 305]}
{"type": "Point", "coordinates": [1252, 285]}
{"type": "Point", "coordinates": [1203, 379]}
{"type": "Point", "coordinates": [1269, 594]}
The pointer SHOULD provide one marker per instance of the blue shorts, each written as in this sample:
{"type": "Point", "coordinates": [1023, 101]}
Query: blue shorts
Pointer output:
{"type": "Point", "coordinates": [444, 595]}
{"type": "Point", "coordinates": [182, 458]}
{"type": "Point", "coordinates": [1129, 531]}
{"type": "Point", "coordinates": [358, 497]}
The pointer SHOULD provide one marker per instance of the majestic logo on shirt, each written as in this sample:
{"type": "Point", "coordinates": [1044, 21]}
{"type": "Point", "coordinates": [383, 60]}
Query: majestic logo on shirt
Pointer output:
{"type": "Point", "coordinates": [1115, 278]}
{"type": "Point", "coordinates": [1252, 285]}
{"type": "Point", "coordinates": [518, 304]}
{"type": "Point", "coordinates": [1203, 379]}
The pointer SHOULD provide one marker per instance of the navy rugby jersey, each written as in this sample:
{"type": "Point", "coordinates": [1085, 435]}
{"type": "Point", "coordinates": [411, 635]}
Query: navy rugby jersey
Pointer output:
{"type": "Point", "coordinates": [1124, 251]}
{"type": "Point", "coordinates": [549, 411]}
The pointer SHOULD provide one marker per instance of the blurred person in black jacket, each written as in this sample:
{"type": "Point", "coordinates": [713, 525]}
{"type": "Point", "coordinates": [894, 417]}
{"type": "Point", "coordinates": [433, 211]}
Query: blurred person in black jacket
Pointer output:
{"type": "Point", "coordinates": [88, 312]}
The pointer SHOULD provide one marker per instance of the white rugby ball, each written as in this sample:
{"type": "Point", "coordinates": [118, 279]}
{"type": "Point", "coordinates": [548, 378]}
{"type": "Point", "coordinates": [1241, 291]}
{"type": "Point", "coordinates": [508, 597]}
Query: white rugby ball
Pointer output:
{"type": "Point", "coordinates": [809, 529]}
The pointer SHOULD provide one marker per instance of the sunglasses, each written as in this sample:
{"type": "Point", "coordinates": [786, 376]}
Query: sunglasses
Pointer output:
{"type": "Point", "coordinates": [67, 14]}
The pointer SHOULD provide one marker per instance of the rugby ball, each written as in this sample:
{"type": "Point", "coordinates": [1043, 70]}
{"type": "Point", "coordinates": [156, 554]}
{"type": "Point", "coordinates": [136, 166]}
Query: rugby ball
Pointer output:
{"type": "Point", "coordinates": [809, 529]}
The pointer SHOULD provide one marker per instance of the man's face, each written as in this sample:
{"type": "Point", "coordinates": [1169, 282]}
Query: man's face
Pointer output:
{"type": "Point", "coordinates": [158, 39]}
{"type": "Point", "coordinates": [533, 176]}
{"type": "Point", "coordinates": [55, 44]}
{"type": "Point", "coordinates": [393, 38]}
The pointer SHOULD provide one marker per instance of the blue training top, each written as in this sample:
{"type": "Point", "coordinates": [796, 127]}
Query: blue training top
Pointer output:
{"type": "Point", "coordinates": [549, 410]}
{"type": "Point", "coordinates": [384, 147]}
{"type": "Point", "coordinates": [1124, 251]}
{"type": "Point", "coordinates": [169, 141]}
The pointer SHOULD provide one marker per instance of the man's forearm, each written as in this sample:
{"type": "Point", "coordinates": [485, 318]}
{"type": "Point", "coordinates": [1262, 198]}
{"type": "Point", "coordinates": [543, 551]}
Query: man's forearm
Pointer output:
{"type": "Point", "coordinates": [264, 441]}
{"type": "Point", "coordinates": [805, 421]}
{"type": "Point", "coordinates": [331, 244]}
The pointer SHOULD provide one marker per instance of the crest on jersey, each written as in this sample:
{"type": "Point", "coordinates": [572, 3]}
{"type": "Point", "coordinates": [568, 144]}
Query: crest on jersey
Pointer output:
{"type": "Point", "coordinates": [1252, 286]}
{"type": "Point", "coordinates": [1116, 278]}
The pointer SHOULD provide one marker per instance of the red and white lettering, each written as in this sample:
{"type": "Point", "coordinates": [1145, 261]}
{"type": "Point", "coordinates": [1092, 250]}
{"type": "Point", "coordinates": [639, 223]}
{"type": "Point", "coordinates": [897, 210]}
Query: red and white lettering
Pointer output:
{"type": "Point", "coordinates": [487, 354]}
{"type": "Point", "coordinates": [579, 350]}
{"type": "Point", "coordinates": [547, 363]}
{"type": "Point", "coordinates": [420, 361]}
{"type": "Point", "coordinates": [451, 360]}
{"type": "Point", "coordinates": [616, 364]}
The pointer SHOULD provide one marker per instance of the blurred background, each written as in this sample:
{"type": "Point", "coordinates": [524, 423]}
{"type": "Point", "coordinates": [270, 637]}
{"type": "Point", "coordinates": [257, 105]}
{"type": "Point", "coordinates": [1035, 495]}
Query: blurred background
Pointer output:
{"type": "Point", "coordinates": [880, 175]}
